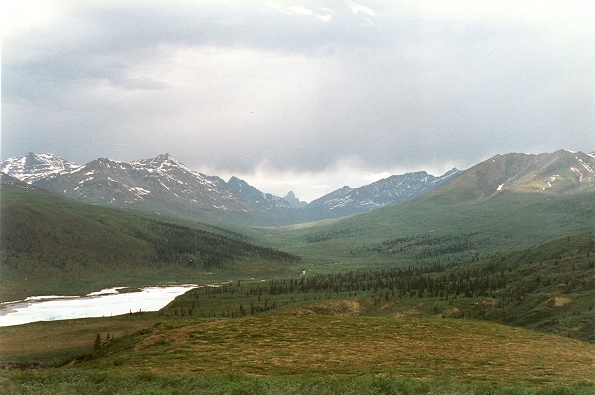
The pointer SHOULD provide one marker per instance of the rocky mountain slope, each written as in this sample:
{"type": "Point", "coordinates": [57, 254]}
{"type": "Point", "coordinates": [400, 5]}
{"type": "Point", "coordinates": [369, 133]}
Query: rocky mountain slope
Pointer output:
{"type": "Point", "coordinates": [248, 192]}
{"type": "Point", "coordinates": [386, 192]}
{"type": "Point", "coordinates": [554, 173]}
{"type": "Point", "coordinates": [34, 167]}
{"type": "Point", "coordinates": [164, 185]}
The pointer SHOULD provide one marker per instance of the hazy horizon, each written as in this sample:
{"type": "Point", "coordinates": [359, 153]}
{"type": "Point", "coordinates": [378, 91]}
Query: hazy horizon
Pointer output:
{"type": "Point", "coordinates": [302, 96]}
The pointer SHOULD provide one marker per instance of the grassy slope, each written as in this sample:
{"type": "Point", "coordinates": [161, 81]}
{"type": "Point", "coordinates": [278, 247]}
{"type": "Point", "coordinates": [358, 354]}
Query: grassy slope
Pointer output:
{"type": "Point", "coordinates": [503, 223]}
{"type": "Point", "coordinates": [320, 349]}
{"type": "Point", "coordinates": [49, 241]}
{"type": "Point", "coordinates": [550, 288]}
{"type": "Point", "coordinates": [420, 348]}
{"type": "Point", "coordinates": [356, 335]}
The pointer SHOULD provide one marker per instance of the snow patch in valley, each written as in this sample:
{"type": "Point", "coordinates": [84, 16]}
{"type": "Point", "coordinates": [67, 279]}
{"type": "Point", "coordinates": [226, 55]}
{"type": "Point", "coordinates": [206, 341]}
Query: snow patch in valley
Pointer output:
{"type": "Point", "coordinates": [104, 303]}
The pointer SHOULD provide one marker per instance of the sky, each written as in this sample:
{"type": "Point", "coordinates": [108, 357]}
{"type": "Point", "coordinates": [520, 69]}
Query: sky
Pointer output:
{"type": "Point", "coordinates": [304, 95]}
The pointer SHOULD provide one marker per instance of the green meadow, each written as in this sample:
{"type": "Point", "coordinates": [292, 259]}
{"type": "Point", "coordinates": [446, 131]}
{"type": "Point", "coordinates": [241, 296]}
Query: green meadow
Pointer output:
{"type": "Point", "coordinates": [430, 297]}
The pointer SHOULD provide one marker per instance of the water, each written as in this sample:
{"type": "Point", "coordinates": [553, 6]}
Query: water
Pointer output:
{"type": "Point", "coordinates": [105, 303]}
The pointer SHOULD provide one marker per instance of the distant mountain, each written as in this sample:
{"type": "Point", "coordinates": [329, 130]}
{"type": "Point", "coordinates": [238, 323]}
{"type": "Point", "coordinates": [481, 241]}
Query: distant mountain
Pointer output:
{"type": "Point", "coordinates": [248, 192]}
{"type": "Point", "coordinates": [386, 192]}
{"type": "Point", "coordinates": [510, 201]}
{"type": "Point", "coordinates": [293, 200]}
{"type": "Point", "coordinates": [164, 185]}
{"type": "Point", "coordinates": [160, 184]}
{"type": "Point", "coordinates": [331, 196]}
{"type": "Point", "coordinates": [554, 173]}
{"type": "Point", "coordinates": [34, 167]}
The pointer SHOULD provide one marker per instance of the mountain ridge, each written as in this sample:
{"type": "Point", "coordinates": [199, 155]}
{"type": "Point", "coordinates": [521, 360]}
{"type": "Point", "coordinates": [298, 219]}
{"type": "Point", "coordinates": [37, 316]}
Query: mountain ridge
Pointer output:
{"type": "Point", "coordinates": [33, 167]}
{"type": "Point", "coordinates": [554, 173]}
{"type": "Point", "coordinates": [164, 185]}
{"type": "Point", "coordinates": [385, 192]}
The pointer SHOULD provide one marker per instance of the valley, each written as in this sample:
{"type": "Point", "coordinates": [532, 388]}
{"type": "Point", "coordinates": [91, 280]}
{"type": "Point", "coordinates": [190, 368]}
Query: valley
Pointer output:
{"type": "Point", "coordinates": [486, 280]}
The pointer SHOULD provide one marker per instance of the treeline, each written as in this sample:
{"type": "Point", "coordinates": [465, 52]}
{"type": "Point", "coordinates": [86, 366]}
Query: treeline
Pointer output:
{"type": "Point", "coordinates": [326, 236]}
{"type": "Point", "coordinates": [203, 249]}
{"type": "Point", "coordinates": [432, 280]}
{"type": "Point", "coordinates": [514, 288]}
{"type": "Point", "coordinates": [66, 237]}
{"type": "Point", "coordinates": [423, 247]}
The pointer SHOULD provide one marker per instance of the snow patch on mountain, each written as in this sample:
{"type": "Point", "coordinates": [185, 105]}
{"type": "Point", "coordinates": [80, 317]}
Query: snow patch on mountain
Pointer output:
{"type": "Point", "coordinates": [33, 167]}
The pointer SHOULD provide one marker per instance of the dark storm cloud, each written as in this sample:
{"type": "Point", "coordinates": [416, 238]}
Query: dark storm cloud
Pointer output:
{"type": "Point", "coordinates": [300, 87]}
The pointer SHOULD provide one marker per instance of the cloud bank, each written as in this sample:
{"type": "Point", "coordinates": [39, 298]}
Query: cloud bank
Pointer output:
{"type": "Point", "coordinates": [319, 91]}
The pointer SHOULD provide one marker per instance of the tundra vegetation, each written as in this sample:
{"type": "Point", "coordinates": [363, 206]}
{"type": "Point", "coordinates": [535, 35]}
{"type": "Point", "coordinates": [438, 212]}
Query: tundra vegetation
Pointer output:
{"type": "Point", "coordinates": [338, 307]}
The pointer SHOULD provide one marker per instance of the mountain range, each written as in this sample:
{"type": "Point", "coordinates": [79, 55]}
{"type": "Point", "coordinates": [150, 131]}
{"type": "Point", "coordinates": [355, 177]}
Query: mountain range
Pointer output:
{"type": "Point", "coordinates": [509, 240]}
{"type": "Point", "coordinates": [164, 185]}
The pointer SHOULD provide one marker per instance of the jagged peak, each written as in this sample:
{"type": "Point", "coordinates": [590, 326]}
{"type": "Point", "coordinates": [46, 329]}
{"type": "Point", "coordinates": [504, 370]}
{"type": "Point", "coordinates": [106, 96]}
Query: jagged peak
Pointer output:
{"type": "Point", "coordinates": [293, 200]}
{"type": "Point", "coordinates": [105, 161]}
{"type": "Point", "coordinates": [161, 161]}
{"type": "Point", "coordinates": [233, 179]}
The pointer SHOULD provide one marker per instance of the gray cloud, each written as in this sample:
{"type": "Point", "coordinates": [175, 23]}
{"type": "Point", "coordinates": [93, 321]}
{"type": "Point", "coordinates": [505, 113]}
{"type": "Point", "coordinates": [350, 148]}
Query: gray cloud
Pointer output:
{"type": "Point", "coordinates": [300, 87]}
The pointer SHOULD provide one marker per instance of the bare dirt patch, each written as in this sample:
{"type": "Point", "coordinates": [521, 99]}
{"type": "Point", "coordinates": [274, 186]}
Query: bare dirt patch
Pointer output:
{"type": "Point", "coordinates": [340, 308]}
{"type": "Point", "coordinates": [559, 301]}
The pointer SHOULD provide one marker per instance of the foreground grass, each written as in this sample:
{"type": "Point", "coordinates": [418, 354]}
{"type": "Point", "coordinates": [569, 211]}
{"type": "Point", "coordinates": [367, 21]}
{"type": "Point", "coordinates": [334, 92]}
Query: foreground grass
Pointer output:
{"type": "Point", "coordinates": [461, 350]}
{"type": "Point", "coordinates": [62, 382]}
{"type": "Point", "coordinates": [280, 354]}
{"type": "Point", "coordinates": [52, 342]}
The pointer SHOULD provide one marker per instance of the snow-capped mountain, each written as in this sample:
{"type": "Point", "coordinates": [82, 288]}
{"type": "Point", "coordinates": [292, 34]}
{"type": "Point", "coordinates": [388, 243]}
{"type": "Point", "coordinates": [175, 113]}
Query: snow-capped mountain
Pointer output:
{"type": "Point", "coordinates": [389, 191]}
{"type": "Point", "coordinates": [159, 184]}
{"type": "Point", "coordinates": [164, 185]}
{"type": "Point", "coordinates": [156, 183]}
{"type": "Point", "coordinates": [33, 167]}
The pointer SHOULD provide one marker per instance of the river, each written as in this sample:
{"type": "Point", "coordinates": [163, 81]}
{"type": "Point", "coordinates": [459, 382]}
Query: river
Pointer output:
{"type": "Point", "coordinates": [105, 303]}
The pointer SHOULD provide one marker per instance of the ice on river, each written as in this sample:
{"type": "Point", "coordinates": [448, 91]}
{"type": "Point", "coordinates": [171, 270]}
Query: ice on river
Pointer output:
{"type": "Point", "coordinates": [105, 303]}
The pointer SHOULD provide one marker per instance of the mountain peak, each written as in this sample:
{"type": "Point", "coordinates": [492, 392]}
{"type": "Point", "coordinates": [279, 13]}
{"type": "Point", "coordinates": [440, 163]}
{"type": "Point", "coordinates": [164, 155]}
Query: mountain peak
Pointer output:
{"type": "Point", "coordinates": [246, 191]}
{"type": "Point", "coordinates": [33, 167]}
{"type": "Point", "coordinates": [386, 192]}
{"type": "Point", "coordinates": [164, 157]}
{"type": "Point", "coordinates": [160, 162]}
{"type": "Point", "coordinates": [559, 172]}
{"type": "Point", "coordinates": [293, 200]}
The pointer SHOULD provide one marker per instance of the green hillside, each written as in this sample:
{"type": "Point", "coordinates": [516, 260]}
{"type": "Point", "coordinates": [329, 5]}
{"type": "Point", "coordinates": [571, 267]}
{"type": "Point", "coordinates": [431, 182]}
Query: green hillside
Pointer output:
{"type": "Point", "coordinates": [315, 355]}
{"type": "Point", "coordinates": [394, 346]}
{"type": "Point", "coordinates": [411, 330]}
{"type": "Point", "coordinates": [434, 229]}
{"type": "Point", "coordinates": [50, 245]}
{"type": "Point", "coordinates": [552, 174]}
{"type": "Point", "coordinates": [550, 288]}
{"type": "Point", "coordinates": [484, 285]}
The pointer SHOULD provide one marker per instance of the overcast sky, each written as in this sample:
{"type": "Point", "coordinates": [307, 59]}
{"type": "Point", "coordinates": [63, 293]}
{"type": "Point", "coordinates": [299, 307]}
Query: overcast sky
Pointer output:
{"type": "Point", "coordinates": [298, 95]}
